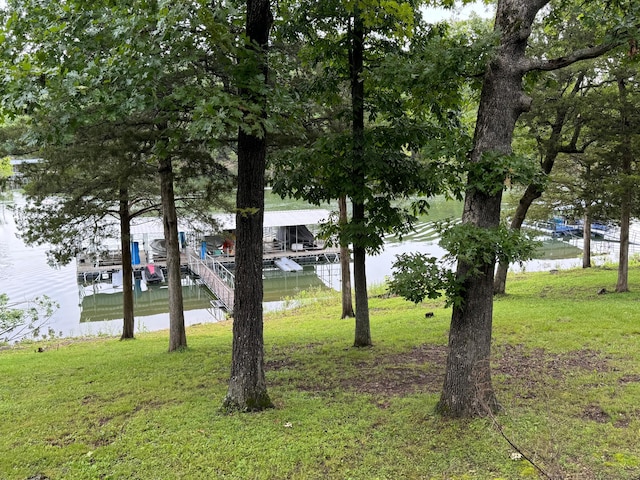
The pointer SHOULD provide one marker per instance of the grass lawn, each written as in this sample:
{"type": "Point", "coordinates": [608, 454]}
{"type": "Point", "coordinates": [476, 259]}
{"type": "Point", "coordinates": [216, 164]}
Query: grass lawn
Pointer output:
{"type": "Point", "coordinates": [566, 368]}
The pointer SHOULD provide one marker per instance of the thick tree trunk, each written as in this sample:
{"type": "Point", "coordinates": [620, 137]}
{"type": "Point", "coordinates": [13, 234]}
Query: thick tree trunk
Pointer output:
{"type": "Point", "coordinates": [247, 385]}
{"type": "Point", "coordinates": [362, 331]}
{"type": "Point", "coordinates": [586, 238]}
{"type": "Point", "coordinates": [345, 264]}
{"type": "Point", "coordinates": [467, 389]}
{"type": "Point", "coordinates": [622, 284]}
{"type": "Point", "coordinates": [177, 333]}
{"type": "Point", "coordinates": [127, 270]}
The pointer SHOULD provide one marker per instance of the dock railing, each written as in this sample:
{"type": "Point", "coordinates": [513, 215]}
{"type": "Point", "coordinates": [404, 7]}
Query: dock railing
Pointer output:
{"type": "Point", "coordinates": [218, 278]}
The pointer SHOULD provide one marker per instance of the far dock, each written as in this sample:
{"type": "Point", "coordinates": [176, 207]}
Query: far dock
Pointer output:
{"type": "Point", "coordinates": [216, 271]}
{"type": "Point", "coordinates": [287, 244]}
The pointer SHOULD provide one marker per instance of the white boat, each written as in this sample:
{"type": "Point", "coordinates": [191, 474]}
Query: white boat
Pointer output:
{"type": "Point", "coordinates": [159, 246]}
{"type": "Point", "coordinates": [287, 265]}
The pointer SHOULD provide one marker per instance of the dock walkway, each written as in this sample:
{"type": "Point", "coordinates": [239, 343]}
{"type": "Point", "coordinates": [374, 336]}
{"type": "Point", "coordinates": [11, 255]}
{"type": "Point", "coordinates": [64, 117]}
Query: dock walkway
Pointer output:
{"type": "Point", "coordinates": [215, 276]}
{"type": "Point", "coordinates": [214, 271]}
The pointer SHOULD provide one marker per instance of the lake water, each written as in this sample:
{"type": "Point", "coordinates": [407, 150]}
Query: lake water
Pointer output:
{"type": "Point", "coordinates": [25, 274]}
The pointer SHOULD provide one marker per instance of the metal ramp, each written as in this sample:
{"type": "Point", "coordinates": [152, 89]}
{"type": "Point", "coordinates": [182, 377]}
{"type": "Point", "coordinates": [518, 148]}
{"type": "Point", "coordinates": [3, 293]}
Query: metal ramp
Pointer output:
{"type": "Point", "coordinates": [216, 277]}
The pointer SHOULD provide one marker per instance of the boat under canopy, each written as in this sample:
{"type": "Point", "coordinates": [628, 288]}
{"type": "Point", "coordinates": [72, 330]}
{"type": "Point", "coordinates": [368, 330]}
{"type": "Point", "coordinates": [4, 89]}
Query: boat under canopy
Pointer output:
{"type": "Point", "coordinates": [152, 274]}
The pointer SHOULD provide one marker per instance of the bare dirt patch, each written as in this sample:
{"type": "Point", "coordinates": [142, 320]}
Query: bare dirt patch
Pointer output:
{"type": "Point", "coordinates": [419, 370]}
{"type": "Point", "coordinates": [279, 364]}
{"type": "Point", "coordinates": [595, 413]}
{"type": "Point", "coordinates": [529, 370]}
{"type": "Point", "coordinates": [627, 379]}
{"type": "Point", "coordinates": [422, 369]}
{"type": "Point", "coordinates": [517, 361]}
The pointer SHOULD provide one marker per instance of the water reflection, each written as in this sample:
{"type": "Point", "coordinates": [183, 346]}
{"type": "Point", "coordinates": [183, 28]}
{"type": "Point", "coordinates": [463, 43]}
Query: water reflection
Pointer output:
{"type": "Point", "coordinates": [102, 301]}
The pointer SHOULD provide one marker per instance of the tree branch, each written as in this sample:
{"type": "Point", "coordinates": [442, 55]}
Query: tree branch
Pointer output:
{"type": "Point", "coordinates": [530, 64]}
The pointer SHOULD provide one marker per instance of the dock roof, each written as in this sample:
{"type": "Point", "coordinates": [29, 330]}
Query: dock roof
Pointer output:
{"type": "Point", "coordinates": [227, 221]}
{"type": "Point", "coordinates": [281, 218]}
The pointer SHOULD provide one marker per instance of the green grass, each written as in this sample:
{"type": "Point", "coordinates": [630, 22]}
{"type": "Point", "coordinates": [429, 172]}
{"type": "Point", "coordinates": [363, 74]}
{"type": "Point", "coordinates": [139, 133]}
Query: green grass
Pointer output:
{"type": "Point", "coordinates": [566, 368]}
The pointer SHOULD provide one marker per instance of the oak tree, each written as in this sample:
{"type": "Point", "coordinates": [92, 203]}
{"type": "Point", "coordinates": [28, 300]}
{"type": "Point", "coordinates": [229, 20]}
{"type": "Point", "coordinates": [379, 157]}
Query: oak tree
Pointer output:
{"type": "Point", "coordinates": [468, 389]}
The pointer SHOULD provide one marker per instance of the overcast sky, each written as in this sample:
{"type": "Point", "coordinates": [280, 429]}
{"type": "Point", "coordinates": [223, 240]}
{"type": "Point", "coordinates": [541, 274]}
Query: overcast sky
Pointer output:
{"type": "Point", "coordinates": [482, 10]}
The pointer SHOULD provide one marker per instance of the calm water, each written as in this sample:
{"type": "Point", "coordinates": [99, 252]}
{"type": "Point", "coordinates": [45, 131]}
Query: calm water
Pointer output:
{"type": "Point", "coordinates": [25, 274]}
{"type": "Point", "coordinates": [97, 308]}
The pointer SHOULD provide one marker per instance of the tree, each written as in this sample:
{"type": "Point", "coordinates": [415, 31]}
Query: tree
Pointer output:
{"type": "Point", "coordinates": [359, 68]}
{"type": "Point", "coordinates": [60, 109]}
{"type": "Point", "coordinates": [247, 385]}
{"type": "Point", "coordinates": [467, 389]}
{"type": "Point", "coordinates": [356, 40]}
{"type": "Point", "coordinates": [556, 125]}
{"type": "Point", "coordinates": [137, 70]}
{"type": "Point", "coordinates": [19, 320]}
{"type": "Point", "coordinates": [604, 181]}
{"type": "Point", "coordinates": [628, 169]}
{"type": "Point", "coordinates": [73, 209]}
{"type": "Point", "coordinates": [562, 105]}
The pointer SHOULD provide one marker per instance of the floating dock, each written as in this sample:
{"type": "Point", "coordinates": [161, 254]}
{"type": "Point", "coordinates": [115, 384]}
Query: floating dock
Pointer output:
{"type": "Point", "coordinates": [216, 271]}
{"type": "Point", "coordinates": [105, 266]}
{"type": "Point", "coordinates": [287, 245]}
{"type": "Point", "coordinates": [213, 271]}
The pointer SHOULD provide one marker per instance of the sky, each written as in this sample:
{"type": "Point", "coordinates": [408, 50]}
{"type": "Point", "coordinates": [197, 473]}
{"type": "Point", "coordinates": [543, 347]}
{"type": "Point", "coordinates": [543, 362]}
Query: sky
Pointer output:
{"type": "Point", "coordinates": [459, 13]}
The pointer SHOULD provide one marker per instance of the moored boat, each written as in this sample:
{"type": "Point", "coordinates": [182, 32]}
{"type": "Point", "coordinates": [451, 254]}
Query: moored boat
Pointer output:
{"type": "Point", "coordinates": [152, 274]}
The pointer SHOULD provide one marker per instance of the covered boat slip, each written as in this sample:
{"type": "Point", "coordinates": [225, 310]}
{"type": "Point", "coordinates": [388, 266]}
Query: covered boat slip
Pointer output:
{"type": "Point", "coordinates": [289, 243]}
{"type": "Point", "coordinates": [289, 230]}
{"type": "Point", "coordinates": [276, 219]}
{"type": "Point", "coordinates": [289, 238]}
{"type": "Point", "coordinates": [283, 231]}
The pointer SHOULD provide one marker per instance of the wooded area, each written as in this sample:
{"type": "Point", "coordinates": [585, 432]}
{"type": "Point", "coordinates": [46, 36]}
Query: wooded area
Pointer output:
{"type": "Point", "coordinates": [140, 107]}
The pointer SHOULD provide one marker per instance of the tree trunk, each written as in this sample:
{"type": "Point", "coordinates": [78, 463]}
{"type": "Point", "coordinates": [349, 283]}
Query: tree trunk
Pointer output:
{"type": "Point", "coordinates": [363, 329]}
{"type": "Point", "coordinates": [531, 193]}
{"type": "Point", "coordinates": [627, 190]}
{"type": "Point", "coordinates": [345, 264]}
{"type": "Point", "coordinates": [467, 389]}
{"type": "Point", "coordinates": [500, 281]}
{"type": "Point", "coordinates": [622, 284]}
{"type": "Point", "coordinates": [247, 385]}
{"type": "Point", "coordinates": [127, 270]}
{"type": "Point", "coordinates": [586, 237]}
{"type": "Point", "coordinates": [356, 58]}
{"type": "Point", "coordinates": [177, 334]}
